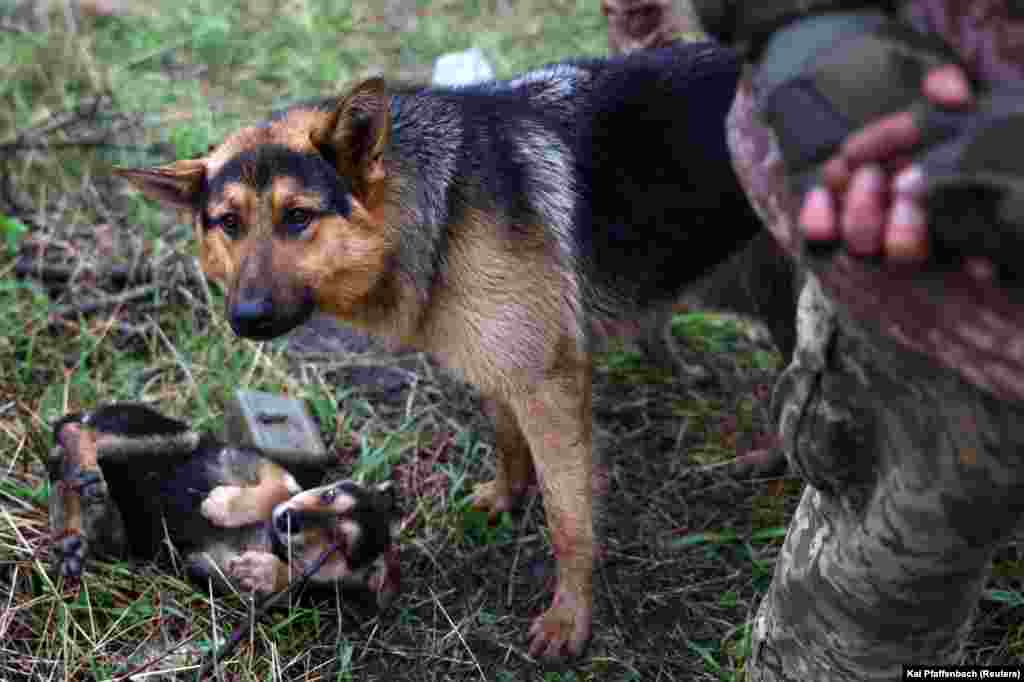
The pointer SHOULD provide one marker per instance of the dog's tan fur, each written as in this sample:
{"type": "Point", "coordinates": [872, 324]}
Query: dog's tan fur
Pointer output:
{"type": "Point", "coordinates": [495, 322]}
{"type": "Point", "coordinates": [494, 227]}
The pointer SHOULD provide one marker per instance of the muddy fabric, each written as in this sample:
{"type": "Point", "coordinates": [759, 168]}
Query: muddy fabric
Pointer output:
{"type": "Point", "coordinates": [747, 24]}
{"type": "Point", "coordinates": [970, 328]}
{"type": "Point", "coordinates": [822, 78]}
{"type": "Point", "coordinates": [902, 407]}
{"type": "Point", "coordinates": [915, 480]}
{"type": "Point", "coordinates": [987, 34]}
{"type": "Point", "coordinates": [975, 185]}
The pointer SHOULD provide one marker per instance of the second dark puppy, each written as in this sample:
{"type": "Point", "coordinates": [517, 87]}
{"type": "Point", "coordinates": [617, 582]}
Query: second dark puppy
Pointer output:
{"type": "Point", "coordinates": [128, 480]}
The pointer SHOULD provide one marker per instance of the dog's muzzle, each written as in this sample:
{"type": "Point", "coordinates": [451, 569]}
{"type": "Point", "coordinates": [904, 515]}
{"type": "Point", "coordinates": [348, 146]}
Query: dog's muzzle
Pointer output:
{"type": "Point", "coordinates": [257, 316]}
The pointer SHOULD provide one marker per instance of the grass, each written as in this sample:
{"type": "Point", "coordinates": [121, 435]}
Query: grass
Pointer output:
{"type": "Point", "coordinates": [687, 550]}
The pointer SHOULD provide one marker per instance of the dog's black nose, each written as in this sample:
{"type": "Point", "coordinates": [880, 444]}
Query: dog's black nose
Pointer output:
{"type": "Point", "coordinates": [288, 522]}
{"type": "Point", "coordinates": [253, 316]}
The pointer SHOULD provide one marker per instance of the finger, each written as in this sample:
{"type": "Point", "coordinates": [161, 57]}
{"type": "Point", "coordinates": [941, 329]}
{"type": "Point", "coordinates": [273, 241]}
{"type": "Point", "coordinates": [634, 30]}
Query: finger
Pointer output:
{"type": "Point", "coordinates": [948, 86]}
{"type": "Point", "coordinates": [906, 236]}
{"type": "Point", "coordinates": [818, 216]}
{"type": "Point", "coordinates": [909, 182]}
{"type": "Point", "coordinates": [864, 211]}
{"type": "Point", "coordinates": [836, 174]}
{"type": "Point", "coordinates": [878, 141]}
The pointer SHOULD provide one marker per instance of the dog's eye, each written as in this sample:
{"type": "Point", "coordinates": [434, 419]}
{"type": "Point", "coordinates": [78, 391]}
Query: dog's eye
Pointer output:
{"type": "Point", "coordinates": [230, 223]}
{"type": "Point", "coordinates": [296, 220]}
{"type": "Point", "coordinates": [328, 496]}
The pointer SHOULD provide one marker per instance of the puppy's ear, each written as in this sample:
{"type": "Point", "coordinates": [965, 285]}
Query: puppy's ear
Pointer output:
{"type": "Point", "coordinates": [354, 133]}
{"type": "Point", "coordinates": [176, 185]}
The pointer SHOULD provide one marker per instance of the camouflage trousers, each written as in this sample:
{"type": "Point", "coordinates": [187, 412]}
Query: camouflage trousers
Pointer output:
{"type": "Point", "coordinates": [902, 408]}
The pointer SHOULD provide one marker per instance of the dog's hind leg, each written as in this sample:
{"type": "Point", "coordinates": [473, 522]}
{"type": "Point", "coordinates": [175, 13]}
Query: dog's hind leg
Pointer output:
{"type": "Point", "coordinates": [556, 421]}
{"type": "Point", "coordinates": [514, 468]}
{"type": "Point", "coordinates": [231, 571]}
{"type": "Point", "coordinates": [83, 518]}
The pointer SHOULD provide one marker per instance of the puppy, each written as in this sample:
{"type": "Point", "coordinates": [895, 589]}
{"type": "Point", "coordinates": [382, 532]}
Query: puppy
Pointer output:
{"type": "Point", "coordinates": [127, 480]}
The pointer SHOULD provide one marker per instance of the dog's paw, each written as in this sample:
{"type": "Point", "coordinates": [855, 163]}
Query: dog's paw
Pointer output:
{"type": "Point", "coordinates": [69, 555]}
{"type": "Point", "coordinates": [255, 571]}
{"type": "Point", "coordinates": [562, 629]}
{"type": "Point", "coordinates": [494, 498]}
{"type": "Point", "coordinates": [221, 507]}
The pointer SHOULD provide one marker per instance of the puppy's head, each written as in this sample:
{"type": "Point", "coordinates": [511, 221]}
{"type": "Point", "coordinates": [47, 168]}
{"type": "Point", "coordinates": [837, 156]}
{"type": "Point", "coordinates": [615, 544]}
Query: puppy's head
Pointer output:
{"type": "Point", "coordinates": [351, 522]}
{"type": "Point", "coordinates": [288, 213]}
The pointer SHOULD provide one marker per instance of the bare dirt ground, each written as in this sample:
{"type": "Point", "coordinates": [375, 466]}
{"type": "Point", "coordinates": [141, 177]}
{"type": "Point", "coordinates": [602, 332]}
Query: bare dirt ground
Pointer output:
{"type": "Point", "coordinates": [679, 572]}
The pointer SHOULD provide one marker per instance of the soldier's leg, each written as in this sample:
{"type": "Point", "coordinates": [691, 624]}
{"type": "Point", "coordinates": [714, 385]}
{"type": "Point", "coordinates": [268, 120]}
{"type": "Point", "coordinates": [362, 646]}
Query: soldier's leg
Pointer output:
{"type": "Point", "coordinates": [915, 481]}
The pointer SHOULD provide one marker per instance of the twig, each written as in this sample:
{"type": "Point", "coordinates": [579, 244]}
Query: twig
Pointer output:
{"type": "Point", "coordinates": [180, 361]}
{"type": "Point", "coordinates": [27, 267]}
{"type": "Point", "coordinates": [152, 662]}
{"type": "Point", "coordinates": [197, 273]}
{"type": "Point", "coordinates": [154, 53]}
{"type": "Point", "coordinates": [240, 632]}
{"type": "Point", "coordinates": [85, 142]}
{"type": "Point", "coordinates": [213, 628]}
{"type": "Point", "coordinates": [87, 307]}
{"type": "Point", "coordinates": [519, 550]}
{"type": "Point", "coordinates": [7, 194]}
{"type": "Point", "coordinates": [6, 25]}
{"type": "Point", "coordinates": [458, 632]}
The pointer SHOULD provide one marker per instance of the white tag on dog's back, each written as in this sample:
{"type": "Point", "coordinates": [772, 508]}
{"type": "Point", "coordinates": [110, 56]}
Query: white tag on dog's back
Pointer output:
{"type": "Point", "coordinates": [462, 68]}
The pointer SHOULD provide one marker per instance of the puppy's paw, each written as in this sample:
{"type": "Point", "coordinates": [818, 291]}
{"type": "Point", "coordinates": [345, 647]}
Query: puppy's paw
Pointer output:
{"type": "Point", "coordinates": [69, 555]}
{"type": "Point", "coordinates": [222, 507]}
{"type": "Point", "coordinates": [562, 629]}
{"type": "Point", "coordinates": [255, 571]}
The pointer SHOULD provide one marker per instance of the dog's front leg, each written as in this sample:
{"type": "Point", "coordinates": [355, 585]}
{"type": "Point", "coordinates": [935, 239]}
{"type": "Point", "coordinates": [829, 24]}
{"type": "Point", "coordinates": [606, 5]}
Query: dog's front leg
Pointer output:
{"type": "Point", "coordinates": [556, 420]}
{"type": "Point", "coordinates": [514, 470]}
{"type": "Point", "coordinates": [233, 506]}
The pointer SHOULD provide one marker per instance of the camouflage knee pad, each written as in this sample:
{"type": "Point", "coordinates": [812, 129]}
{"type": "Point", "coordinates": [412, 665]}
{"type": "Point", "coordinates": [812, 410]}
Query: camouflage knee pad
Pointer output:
{"type": "Point", "coordinates": [824, 77]}
{"type": "Point", "coordinates": [748, 24]}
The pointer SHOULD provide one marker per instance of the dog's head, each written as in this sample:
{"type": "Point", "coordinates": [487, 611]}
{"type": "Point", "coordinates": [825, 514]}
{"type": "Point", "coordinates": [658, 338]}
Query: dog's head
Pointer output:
{"type": "Point", "coordinates": [348, 522]}
{"type": "Point", "coordinates": [288, 213]}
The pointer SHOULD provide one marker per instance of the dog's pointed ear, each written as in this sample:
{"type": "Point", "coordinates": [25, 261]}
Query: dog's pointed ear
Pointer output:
{"type": "Point", "coordinates": [354, 133]}
{"type": "Point", "coordinates": [176, 185]}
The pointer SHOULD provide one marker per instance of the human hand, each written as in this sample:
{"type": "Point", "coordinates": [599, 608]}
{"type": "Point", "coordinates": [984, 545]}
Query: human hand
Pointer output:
{"type": "Point", "coordinates": [870, 194]}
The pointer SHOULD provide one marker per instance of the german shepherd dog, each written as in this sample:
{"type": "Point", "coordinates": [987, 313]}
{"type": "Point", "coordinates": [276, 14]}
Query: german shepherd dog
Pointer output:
{"type": "Point", "coordinates": [128, 479]}
{"type": "Point", "coordinates": [495, 226]}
